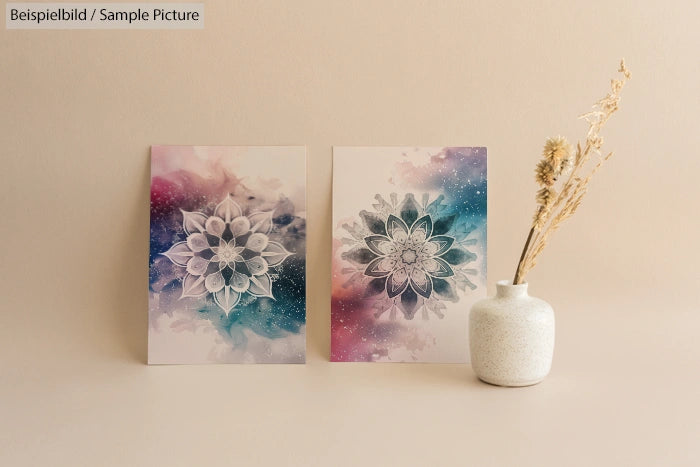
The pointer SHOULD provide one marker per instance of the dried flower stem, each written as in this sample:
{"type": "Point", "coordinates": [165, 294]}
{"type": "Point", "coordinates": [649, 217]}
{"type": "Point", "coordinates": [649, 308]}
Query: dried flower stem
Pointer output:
{"type": "Point", "coordinates": [516, 279]}
{"type": "Point", "coordinates": [554, 208]}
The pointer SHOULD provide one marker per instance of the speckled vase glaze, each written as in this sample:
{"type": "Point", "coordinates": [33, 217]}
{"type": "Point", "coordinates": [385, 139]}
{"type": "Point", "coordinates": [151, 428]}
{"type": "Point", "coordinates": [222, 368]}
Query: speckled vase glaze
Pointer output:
{"type": "Point", "coordinates": [511, 337]}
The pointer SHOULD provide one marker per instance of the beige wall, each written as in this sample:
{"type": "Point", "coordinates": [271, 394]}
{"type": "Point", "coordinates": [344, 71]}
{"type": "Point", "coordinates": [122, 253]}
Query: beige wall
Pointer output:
{"type": "Point", "coordinates": [80, 109]}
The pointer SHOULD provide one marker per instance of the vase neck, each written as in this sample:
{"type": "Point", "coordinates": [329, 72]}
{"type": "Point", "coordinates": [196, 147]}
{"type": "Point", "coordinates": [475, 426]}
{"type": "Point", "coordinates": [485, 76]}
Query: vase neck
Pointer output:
{"type": "Point", "coordinates": [506, 289]}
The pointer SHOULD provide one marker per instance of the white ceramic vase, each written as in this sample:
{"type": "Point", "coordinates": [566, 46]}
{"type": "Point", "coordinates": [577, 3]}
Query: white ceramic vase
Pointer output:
{"type": "Point", "coordinates": [511, 337]}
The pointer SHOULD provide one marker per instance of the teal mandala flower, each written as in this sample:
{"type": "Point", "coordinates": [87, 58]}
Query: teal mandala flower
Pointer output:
{"type": "Point", "coordinates": [407, 256]}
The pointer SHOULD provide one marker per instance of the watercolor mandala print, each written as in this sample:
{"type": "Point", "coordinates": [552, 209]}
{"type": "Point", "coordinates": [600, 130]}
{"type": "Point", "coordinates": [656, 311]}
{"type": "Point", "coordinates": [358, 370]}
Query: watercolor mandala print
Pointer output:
{"type": "Point", "coordinates": [407, 260]}
{"type": "Point", "coordinates": [406, 271]}
{"type": "Point", "coordinates": [227, 254]}
{"type": "Point", "coordinates": [227, 263]}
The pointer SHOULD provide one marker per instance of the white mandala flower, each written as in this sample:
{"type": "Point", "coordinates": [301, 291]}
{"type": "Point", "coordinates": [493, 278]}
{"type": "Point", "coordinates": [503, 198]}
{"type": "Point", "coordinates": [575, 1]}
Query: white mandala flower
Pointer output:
{"type": "Point", "coordinates": [227, 254]}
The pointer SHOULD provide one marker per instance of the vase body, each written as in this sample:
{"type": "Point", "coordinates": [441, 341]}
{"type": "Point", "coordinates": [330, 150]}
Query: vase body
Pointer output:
{"type": "Point", "coordinates": [511, 337]}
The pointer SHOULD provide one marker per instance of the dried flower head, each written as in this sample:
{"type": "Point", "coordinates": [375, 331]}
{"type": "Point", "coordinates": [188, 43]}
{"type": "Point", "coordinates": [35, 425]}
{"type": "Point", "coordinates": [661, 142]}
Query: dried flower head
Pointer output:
{"type": "Point", "coordinates": [545, 174]}
{"type": "Point", "coordinates": [546, 196]}
{"type": "Point", "coordinates": [545, 200]}
{"type": "Point", "coordinates": [556, 161]}
{"type": "Point", "coordinates": [556, 150]}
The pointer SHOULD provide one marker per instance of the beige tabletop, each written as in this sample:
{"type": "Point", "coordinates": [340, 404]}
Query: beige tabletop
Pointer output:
{"type": "Point", "coordinates": [81, 108]}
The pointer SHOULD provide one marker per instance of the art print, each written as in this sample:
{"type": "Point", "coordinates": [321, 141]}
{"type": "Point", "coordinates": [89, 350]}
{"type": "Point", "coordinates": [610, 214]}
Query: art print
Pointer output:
{"type": "Point", "coordinates": [227, 255]}
{"type": "Point", "coordinates": [409, 252]}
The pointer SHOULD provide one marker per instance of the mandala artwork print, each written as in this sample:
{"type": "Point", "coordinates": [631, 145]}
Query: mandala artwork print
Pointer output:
{"type": "Point", "coordinates": [408, 263]}
{"type": "Point", "coordinates": [227, 254]}
{"type": "Point", "coordinates": [227, 269]}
